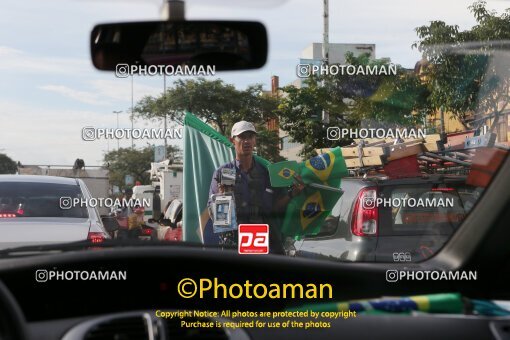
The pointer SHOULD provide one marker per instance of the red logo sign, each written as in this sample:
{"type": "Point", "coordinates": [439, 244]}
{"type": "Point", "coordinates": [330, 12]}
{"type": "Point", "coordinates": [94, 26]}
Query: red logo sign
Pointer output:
{"type": "Point", "coordinates": [253, 238]}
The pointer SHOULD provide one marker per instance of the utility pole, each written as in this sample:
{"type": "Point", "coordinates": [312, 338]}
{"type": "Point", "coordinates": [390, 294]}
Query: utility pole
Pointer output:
{"type": "Point", "coordinates": [165, 126]}
{"type": "Point", "coordinates": [325, 34]}
{"type": "Point", "coordinates": [132, 113]}
{"type": "Point", "coordinates": [325, 51]}
{"type": "Point", "coordinates": [173, 10]}
{"type": "Point", "coordinates": [117, 112]}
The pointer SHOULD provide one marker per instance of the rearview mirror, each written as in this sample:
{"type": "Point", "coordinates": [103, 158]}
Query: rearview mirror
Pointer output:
{"type": "Point", "coordinates": [218, 45]}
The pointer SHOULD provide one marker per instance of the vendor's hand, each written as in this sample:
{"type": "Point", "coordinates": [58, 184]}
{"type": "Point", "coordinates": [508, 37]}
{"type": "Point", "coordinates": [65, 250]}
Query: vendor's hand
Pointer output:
{"type": "Point", "coordinates": [298, 186]}
{"type": "Point", "coordinates": [221, 188]}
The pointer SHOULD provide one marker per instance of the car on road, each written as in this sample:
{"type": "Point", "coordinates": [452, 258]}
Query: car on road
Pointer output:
{"type": "Point", "coordinates": [415, 217]}
{"type": "Point", "coordinates": [33, 210]}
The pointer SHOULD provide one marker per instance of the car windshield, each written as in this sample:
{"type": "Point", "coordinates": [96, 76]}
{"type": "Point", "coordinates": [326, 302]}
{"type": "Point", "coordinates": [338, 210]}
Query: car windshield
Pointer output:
{"type": "Point", "coordinates": [369, 135]}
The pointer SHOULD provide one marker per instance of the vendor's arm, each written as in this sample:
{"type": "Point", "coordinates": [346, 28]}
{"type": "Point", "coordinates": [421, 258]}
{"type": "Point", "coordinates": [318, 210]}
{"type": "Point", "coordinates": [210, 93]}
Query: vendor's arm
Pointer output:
{"type": "Point", "coordinates": [215, 188]}
{"type": "Point", "coordinates": [293, 191]}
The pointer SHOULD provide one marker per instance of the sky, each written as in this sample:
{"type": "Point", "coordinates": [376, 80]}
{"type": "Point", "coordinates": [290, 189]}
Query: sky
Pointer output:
{"type": "Point", "coordinates": [50, 91]}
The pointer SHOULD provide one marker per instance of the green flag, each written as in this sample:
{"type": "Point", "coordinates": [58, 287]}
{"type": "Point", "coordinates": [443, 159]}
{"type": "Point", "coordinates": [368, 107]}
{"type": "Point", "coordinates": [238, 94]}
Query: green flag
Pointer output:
{"type": "Point", "coordinates": [306, 212]}
{"type": "Point", "coordinates": [205, 150]}
{"type": "Point", "coordinates": [282, 174]}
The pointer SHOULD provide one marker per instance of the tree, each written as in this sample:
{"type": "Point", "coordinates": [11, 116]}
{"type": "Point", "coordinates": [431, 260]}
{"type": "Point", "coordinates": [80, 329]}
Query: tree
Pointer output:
{"type": "Point", "coordinates": [134, 162]}
{"type": "Point", "coordinates": [7, 165]}
{"type": "Point", "coordinates": [300, 115]}
{"type": "Point", "coordinates": [351, 101]}
{"type": "Point", "coordinates": [268, 145]}
{"type": "Point", "coordinates": [218, 104]}
{"type": "Point", "coordinates": [465, 78]}
{"type": "Point", "coordinates": [390, 100]}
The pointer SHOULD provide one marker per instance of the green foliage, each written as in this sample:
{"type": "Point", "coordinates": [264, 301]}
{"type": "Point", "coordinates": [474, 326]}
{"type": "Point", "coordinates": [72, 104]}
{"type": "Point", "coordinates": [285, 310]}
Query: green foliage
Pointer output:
{"type": "Point", "coordinates": [399, 99]}
{"type": "Point", "coordinates": [218, 104]}
{"type": "Point", "coordinates": [267, 145]}
{"type": "Point", "coordinates": [134, 162]}
{"type": "Point", "coordinates": [463, 76]}
{"type": "Point", "coordinates": [7, 165]}
{"type": "Point", "coordinates": [350, 101]}
{"type": "Point", "coordinates": [300, 114]}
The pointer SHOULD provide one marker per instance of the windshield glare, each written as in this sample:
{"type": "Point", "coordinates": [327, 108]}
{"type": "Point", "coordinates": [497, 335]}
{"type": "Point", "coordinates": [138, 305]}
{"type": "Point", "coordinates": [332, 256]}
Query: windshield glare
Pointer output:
{"type": "Point", "coordinates": [364, 137]}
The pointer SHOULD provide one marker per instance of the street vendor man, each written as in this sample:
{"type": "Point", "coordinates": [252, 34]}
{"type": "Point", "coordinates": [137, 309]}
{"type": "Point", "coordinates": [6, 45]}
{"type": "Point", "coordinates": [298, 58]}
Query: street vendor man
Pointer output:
{"type": "Point", "coordinates": [255, 200]}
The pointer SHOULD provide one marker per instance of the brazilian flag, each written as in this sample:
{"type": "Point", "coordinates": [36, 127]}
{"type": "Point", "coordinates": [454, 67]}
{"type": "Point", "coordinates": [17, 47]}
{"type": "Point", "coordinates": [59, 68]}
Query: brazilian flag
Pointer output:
{"type": "Point", "coordinates": [282, 173]}
{"type": "Point", "coordinates": [306, 213]}
{"type": "Point", "coordinates": [433, 303]}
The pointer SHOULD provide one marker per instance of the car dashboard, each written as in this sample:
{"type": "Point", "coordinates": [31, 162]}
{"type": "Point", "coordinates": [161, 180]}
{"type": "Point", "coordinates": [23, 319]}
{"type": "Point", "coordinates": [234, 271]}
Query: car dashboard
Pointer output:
{"type": "Point", "coordinates": [128, 309]}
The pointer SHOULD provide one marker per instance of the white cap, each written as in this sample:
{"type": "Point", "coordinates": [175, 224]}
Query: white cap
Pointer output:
{"type": "Point", "coordinates": [241, 127]}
